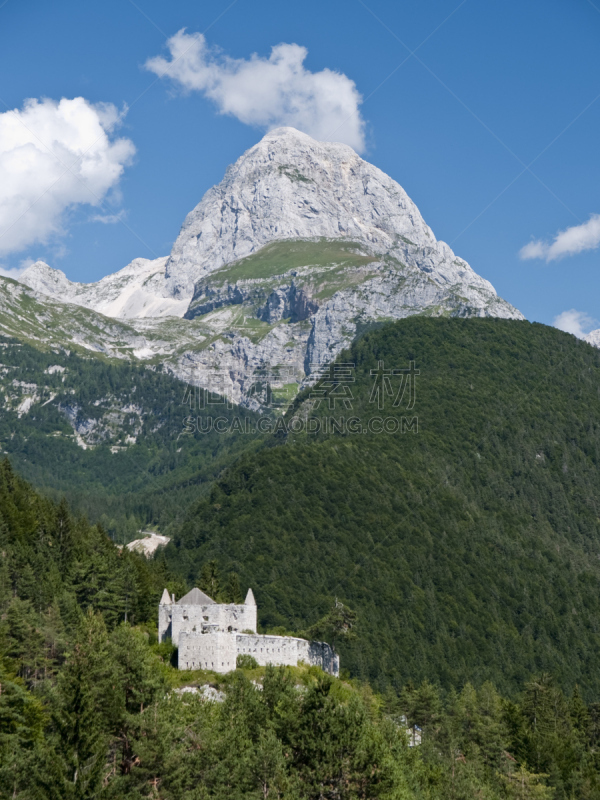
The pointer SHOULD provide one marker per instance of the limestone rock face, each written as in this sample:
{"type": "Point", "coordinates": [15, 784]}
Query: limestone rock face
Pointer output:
{"type": "Point", "coordinates": [289, 187]}
{"type": "Point", "coordinates": [288, 302]}
{"type": "Point", "coordinates": [136, 291]}
{"type": "Point", "coordinates": [301, 245]}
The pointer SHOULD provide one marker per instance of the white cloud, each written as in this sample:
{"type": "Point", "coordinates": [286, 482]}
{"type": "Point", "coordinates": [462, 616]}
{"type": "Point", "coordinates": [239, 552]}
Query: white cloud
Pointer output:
{"type": "Point", "coordinates": [576, 322]}
{"type": "Point", "coordinates": [535, 249]}
{"type": "Point", "coordinates": [267, 92]}
{"type": "Point", "coordinates": [53, 157]}
{"type": "Point", "coordinates": [566, 243]}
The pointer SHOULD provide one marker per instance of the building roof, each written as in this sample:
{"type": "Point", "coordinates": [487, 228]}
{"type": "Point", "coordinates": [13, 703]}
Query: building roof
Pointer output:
{"type": "Point", "coordinates": [165, 600]}
{"type": "Point", "coordinates": [195, 598]}
{"type": "Point", "coordinates": [250, 601]}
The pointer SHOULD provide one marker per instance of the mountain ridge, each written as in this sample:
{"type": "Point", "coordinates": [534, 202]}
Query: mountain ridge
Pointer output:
{"type": "Point", "coordinates": [302, 244]}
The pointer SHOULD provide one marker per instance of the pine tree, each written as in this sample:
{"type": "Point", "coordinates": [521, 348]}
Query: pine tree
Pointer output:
{"type": "Point", "coordinates": [524, 785]}
{"type": "Point", "coordinates": [339, 623]}
{"type": "Point", "coordinates": [22, 721]}
{"type": "Point", "coordinates": [64, 533]}
{"type": "Point", "coordinates": [137, 684]}
{"type": "Point", "coordinates": [580, 715]}
{"type": "Point", "coordinates": [24, 641]}
{"type": "Point", "coordinates": [269, 767]}
{"type": "Point", "coordinates": [80, 749]}
{"type": "Point", "coordinates": [55, 637]}
{"type": "Point", "coordinates": [5, 577]}
{"type": "Point", "coordinates": [422, 706]}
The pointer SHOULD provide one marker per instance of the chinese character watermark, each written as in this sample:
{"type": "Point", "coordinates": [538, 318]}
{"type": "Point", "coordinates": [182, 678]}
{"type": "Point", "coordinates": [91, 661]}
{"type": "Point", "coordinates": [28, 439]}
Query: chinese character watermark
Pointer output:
{"type": "Point", "coordinates": [387, 380]}
{"type": "Point", "coordinates": [333, 385]}
{"type": "Point", "coordinates": [272, 389]}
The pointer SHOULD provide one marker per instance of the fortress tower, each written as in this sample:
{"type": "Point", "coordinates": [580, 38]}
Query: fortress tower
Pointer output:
{"type": "Point", "coordinates": [211, 635]}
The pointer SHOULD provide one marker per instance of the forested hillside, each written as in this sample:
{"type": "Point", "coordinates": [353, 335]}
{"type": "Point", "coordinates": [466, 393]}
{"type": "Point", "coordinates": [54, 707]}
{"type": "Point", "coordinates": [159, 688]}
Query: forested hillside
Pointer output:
{"type": "Point", "coordinates": [110, 436]}
{"type": "Point", "coordinates": [90, 706]}
{"type": "Point", "coordinates": [470, 549]}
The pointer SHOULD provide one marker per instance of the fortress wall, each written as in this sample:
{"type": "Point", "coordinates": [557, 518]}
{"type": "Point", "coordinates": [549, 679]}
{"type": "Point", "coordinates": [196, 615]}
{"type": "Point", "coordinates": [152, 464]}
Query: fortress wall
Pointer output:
{"type": "Point", "coordinates": [322, 655]}
{"type": "Point", "coordinates": [288, 651]}
{"type": "Point", "coordinates": [216, 651]}
{"type": "Point", "coordinates": [210, 637]}
{"type": "Point", "coordinates": [276, 650]}
{"type": "Point", "coordinates": [164, 622]}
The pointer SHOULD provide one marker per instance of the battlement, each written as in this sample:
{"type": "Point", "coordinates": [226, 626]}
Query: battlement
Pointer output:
{"type": "Point", "coordinates": [211, 635]}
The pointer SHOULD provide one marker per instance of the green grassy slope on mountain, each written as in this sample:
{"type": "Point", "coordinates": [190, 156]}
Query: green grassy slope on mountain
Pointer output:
{"type": "Point", "coordinates": [471, 549]}
{"type": "Point", "coordinates": [280, 257]}
{"type": "Point", "coordinates": [109, 436]}
{"type": "Point", "coordinates": [49, 323]}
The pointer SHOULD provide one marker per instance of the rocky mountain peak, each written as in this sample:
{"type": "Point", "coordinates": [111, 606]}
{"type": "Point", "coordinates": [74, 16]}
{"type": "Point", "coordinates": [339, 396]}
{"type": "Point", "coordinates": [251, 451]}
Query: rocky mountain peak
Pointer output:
{"type": "Point", "coordinates": [43, 278]}
{"type": "Point", "coordinates": [289, 186]}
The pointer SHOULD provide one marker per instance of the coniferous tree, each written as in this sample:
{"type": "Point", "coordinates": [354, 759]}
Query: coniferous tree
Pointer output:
{"type": "Point", "coordinates": [24, 643]}
{"type": "Point", "coordinates": [136, 684]}
{"type": "Point", "coordinates": [22, 722]}
{"type": "Point", "coordinates": [73, 768]}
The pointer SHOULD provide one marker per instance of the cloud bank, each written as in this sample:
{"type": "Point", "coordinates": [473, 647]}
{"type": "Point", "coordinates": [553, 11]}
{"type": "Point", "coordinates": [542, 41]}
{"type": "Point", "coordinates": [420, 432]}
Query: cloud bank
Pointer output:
{"type": "Point", "coordinates": [566, 243]}
{"type": "Point", "coordinates": [576, 322]}
{"type": "Point", "coordinates": [267, 92]}
{"type": "Point", "coordinates": [53, 157]}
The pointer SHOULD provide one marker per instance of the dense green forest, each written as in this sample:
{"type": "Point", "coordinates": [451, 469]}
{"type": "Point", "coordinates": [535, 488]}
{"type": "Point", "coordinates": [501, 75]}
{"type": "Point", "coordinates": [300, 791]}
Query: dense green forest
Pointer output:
{"type": "Point", "coordinates": [90, 706]}
{"type": "Point", "coordinates": [470, 549]}
{"type": "Point", "coordinates": [456, 512]}
{"type": "Point", "coordinates": [124, 484]}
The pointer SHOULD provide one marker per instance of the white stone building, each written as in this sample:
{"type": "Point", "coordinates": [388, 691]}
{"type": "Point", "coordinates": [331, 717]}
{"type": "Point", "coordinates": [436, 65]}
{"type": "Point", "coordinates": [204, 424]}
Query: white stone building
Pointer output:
{"type": "Point", "coordinates": [211, 635]}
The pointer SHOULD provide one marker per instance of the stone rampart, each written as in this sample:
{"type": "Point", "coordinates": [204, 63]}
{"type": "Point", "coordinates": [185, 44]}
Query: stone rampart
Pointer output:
{"type": "Point", "coordinates": [216, 651]}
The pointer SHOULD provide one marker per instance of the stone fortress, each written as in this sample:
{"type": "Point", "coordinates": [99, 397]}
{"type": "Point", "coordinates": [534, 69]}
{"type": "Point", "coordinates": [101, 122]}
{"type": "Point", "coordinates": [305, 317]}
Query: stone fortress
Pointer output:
{"type": "Point", "coordinates": [212, 635]}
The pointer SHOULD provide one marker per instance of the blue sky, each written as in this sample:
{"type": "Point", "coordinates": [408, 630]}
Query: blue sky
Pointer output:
{"type": "Point", "coordinates": [489, 89]}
